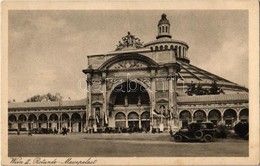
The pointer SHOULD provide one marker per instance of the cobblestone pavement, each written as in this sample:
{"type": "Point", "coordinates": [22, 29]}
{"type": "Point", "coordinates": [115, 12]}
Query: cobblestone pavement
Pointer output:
{"type": "Point", "coordinates": [120, 145]}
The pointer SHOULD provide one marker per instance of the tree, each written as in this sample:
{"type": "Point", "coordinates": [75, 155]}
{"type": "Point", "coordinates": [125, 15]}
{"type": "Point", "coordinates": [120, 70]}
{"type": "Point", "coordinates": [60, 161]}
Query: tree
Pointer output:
{"type": "Point", "coordinates": [46, 97]}
{"type": "Point", "coordinates": [214, 89]}
{"type": "Point", "coordinates": [241, 129]}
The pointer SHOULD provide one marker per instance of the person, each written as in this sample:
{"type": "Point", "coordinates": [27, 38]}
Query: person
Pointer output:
{"type": "Point", "coordinates": [63, 131]}
{"type": "Point", "coordinates": [29, 132]}
{"type": "Point", "coordinates": [18, 131]}
{"type": "Point", "coordinates": [55, 131]}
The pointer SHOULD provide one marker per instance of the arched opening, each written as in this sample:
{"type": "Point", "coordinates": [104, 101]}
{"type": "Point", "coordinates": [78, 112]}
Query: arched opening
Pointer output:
{"type": "Point", "coordinates": [151, 48]}
{"type": "Point", "coordinates": [126, 97]}
{"type": "Point", "coordinates": [214, 116]}
{"type": "Point", "coordinates": [166, 29]}
{"type": "Point", "coordinates": [53, 121]}
{"type": "Point", "coordinates": [120, 120]}
{"type": "Point", "coordinates": [75, 122]}
{"type": "Point", "coordinates": [180, 51]}
{"type": "Point", "coordinates": [12, 118]}
{"type": "Point", "coordinates": [145, 121]}
{"type": "Point", "coordinates": [161, 48]}
{"type": "Point", "coordinates": [172, 48]}
{"type": "Point", "coordinates": [230, 116]}
{"type": "Point", "coordinates": [166, 47]}
{"type": "Point", "coordinates": [185, 117]}
{"type": "Point", "coordinates": [22, 122]}
{"type": "Point", "coordinates": [243, 115]}
{"type": "Point", "coordinates": [162, 28]}
{"type": "Point", "coordinates": [43, 121]}
{"type": "Point", "coordinates": [199, 116]}
{"type": "Point", "coordinates": [65, 120]}
{"type": "Point", "coordinates": [22, 118]}
{"type": "Point", "coordinates": [176, 51]}
{"type": "Point", "coordinates": [32, 119]}
{"type": "Point", "coordinates": [12, 122]}
{"type": "Point", "coordinates": [156, 48]}
{"type": "Point", "coordinates": [129, 93]}
{"type": "Point", "coordinates": [133, 121]}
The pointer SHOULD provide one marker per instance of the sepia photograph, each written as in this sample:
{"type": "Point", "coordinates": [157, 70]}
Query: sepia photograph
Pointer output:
{"type": "Point", "coordinates": [90, 85]}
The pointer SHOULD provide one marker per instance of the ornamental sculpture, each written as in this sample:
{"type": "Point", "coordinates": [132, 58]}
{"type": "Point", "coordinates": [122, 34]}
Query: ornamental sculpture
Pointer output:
{"type": "Point", "coordinates": [129, 41]}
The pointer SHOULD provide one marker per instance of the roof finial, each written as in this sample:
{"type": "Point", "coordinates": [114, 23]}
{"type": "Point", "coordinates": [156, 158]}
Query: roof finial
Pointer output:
{"type": "Point", "coordinates": [164, 27]}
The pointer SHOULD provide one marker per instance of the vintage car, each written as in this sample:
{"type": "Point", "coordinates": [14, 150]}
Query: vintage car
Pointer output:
{"type": "Point", "coordinates": [199, 131]}
{"type": "Point", "coordinates": [41, 131]}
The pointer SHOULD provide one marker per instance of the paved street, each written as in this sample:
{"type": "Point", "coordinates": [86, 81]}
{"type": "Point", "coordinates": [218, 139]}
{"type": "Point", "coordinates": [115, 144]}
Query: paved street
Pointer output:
{"type": "Point", "coordinates": [120, 145]}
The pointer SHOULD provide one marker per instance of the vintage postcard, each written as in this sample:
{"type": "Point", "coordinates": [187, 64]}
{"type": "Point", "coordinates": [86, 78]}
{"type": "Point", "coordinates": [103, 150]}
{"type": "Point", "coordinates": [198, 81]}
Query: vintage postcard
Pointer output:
{"type": "Point", "coordinates": [130, 83]}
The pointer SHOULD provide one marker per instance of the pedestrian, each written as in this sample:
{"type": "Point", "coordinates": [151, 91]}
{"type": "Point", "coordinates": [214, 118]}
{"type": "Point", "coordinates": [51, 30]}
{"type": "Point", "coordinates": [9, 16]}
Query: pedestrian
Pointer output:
{"type": "Point", "coordinates": [29, 133]}
{"type": "Point", "coordinates": [63, 131]}
{"type": "Point", "coordinates": [55, 131]}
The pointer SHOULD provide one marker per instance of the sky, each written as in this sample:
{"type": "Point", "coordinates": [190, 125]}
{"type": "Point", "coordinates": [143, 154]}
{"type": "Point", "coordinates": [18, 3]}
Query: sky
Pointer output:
{"type": "Point", "coordinates": [48, 49]}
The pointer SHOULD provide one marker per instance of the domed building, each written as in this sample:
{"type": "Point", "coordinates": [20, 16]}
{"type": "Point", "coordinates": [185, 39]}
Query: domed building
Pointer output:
{"type": "Point", "coordinates": [141, 86]}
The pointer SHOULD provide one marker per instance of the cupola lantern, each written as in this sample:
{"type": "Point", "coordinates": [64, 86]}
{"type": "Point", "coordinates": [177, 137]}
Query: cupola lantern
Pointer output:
{"type": "Point", "coordinates": [163, 27]}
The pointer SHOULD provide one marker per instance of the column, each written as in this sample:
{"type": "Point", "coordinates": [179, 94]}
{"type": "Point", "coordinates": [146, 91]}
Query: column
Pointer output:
{"type": "Point", "coordinates": [104, 92]}
{"type": "Point", "coordinates": [126, 121]}
{"type": "Point", "coordinates": [140, 125]}
{"type": "Point", "coordinates": [153, 89]}
{"type": "Point", "coordinates": [82, 126]}
{"type": "Point", "coordinates": [70, 126]}
{"type": "Point", "coordinates": [88, 107]}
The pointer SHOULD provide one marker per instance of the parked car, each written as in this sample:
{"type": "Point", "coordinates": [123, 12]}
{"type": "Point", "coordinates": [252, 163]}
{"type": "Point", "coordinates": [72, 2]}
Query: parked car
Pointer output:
{"type": "Point", "coordinates": [199, 131]}
{"type": "Point", "coordinates": [41, 131]}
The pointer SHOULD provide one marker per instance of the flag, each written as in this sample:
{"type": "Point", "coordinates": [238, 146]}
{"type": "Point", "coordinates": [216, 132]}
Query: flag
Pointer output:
{"type": "Point", "coordinates": [97, 118]}
{"type": "Point", "coordinates": [106, 121]}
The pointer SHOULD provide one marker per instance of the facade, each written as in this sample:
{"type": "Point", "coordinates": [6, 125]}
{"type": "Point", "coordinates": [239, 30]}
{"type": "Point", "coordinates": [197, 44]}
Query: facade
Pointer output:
{"type": "Point", "coordinates": [141, 85]}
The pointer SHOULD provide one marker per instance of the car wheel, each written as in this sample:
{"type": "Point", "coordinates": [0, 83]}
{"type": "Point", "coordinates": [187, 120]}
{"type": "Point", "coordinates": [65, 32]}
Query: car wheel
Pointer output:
{"type": "Point", "coordinates": [177, 138]}
{"type": "Point", "coordinates": [198, 134]}
{"type": "Point", "coordinates": [208, 138]}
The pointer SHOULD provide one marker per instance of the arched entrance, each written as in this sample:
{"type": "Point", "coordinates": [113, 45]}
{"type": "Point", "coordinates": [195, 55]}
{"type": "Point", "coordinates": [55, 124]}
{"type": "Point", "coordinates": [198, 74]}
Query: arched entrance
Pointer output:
{"type": "Point", "coordinates": [65, 120]}
{"type": "Point", "coordinates": [230, 116]}
{"type": "Point", "coordinates": [145, 121]}
{"type": "Point", "coordinates": [185, 117]}
{"type": "Point", "coordinates": [22, 122]}
{"type": "Point", "coordinates": [128, 98]}
{"type": "Point", "coordinates": [214, 116]}
{"type": "Point", "coordinates": [32, 121]}
{"type": "Point", "coordinates": [133, 121]}
{"type": "Point", "coordinates": [43, 121]}
{"type": "Point", "coordinates": [54, 121]}
{"type": "Point", "coordinates": [120, 120]}
{"type": "Point", "coordinates": [199, 116]}
{"type": "Point", "coordinates": [76, 122]}
{"type": "Point", "coordinates": [243, 115]}
{"type": "Point", "coordinates": [12, 122]}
